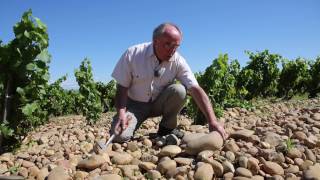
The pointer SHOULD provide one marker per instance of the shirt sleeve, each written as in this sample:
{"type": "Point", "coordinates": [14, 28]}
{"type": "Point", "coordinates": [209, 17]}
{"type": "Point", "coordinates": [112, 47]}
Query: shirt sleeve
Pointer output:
{"type": "Point", "coordinates": [122, 72]}
{"type": "Point", "coordinates": [185, 75]}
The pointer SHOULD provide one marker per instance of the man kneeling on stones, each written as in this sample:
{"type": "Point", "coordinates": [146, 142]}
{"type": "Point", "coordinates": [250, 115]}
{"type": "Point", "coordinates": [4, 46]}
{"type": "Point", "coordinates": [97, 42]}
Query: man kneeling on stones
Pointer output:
{"type": "Point", "coordinates": [145, 74]}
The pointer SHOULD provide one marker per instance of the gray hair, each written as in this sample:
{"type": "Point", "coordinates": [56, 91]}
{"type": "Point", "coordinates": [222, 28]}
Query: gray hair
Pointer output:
{"type": "Point", "coordinates": [159, 30]}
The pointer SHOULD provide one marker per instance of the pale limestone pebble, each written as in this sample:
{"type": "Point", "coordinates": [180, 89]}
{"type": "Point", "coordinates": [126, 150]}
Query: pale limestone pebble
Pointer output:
{"type": "Point", "coordinates": [6, 157]}
{"type": "Point", "coordinates": [121, 158]}
{"type": "Point", "coordinates": [130, 171]}
{"type": "Point", "coordinates": [182, 171]}
{"type": "Point", "coordinates": [310, 143]}
{"type": "Point", "coordinates": [292, 169]}
{"type": "Point", "coordinates": [33, 171]}
{"type": "Point", "coordinates": [277, 157]}
{"type": "Point", "coordinates": [265, 145]}
{"type": "Point", "coordinates": [298, 161]}
{"type": "Point", "coordinates": [109, 177]}
{"type": "Point", "coordinates": [310, 155]}
{"type": "Point", "coordinates": [252, 151]}
{"type": "Point", "coordinates": [273, 139]}
{"type": "Point", "coordinates": [211, 141]}
{"type": "Point", "coordinates": [196, 128]}
{"type": "Point", "coordinates": [146, 157]}
{"type": "Point", "coordinates": [253, 165]}
{"type": "Point", "coordinates": [231, 145]}
{"type": "Point", "coordinates": [272, 168]}
{"type": "Point", "coordinates": [94, 173]}
{"type": "Point", "coordinates": [305, 165]}
{"type": "Point", "coordinates": [183, 161]}
{"type": "Point", "coordinates": [179, 177]}
{"type": "Point", "coordinates": [106, 167]}
{"type": "Point", "coordinates": [27, 164]}
{"type": "Point", "coordinates": [204, 172]}
{"type": "Point", "coordinates": [204, 154]}
{"type": "Point", "coordinates": [135, 161]}
{"type": "Point", "coordinates": [291, 176]}
{"type": "Point", "coordinates": [294, 153]}
{"type": "Point", "coordinates": [257, 177]}
{"type": "Point", "coordinates": [132, 146]}
{"type": "Point", "coordinates": [136, 154]}
{"type": "Point", "coordinates": [23, 172]}
{"type": "Point", "coordinates": [79, 175]}
{"type": "Point", "coordinates": [170, 150]}
{"type": "Point", "coordinates": [315, 116]}
{"type": "Point", "coordinates": [277, 177]}
{"type": "Point", "coordinates": [240, 171]}
{"type": "Point", "coordinates": [58, 173]}
{"type": "Point", "coordinates": [300, 135]}
{"type": "Point", "coordinates": [147, 142]}
{"type": "Point", "coordinates": [81, 137]}
{"type": "Point", "coordinates": [243, 161]}
{"type": "Point", "coordinates": [254, 139]}
{"type": "Point", "coordinates": [86, 147]}
{"type": "Point", "coordinates": [147, 166]}
{"type": "Point", "coordinates": [166, 165]}
{"type": "Point", "coordinates": [242, 134]}
{"type": "Point", "coordinates": [116, 147]}
{"type": "Point", "coordinates": [216, 165]}
{"type": "Point", "coordinates": [94, 161]}
{"type": "Point", "coordinates": [228, 176]}
{"type": "Point", "coordinates": [171, 173]}
{"type": "Point", "coordinates": [240, 178]}
{"type": "Point", "coordinates": [230, 156]}
{"type": "Point", "coordinates": [153, 174]}
{"type": "Point", "coordinates": [23, 155]}
{"type": "Point", "coordinates": [289, 160]}
{"type": "Point", "coordinates": [228, 166]}
{"type": "Point", "coordinates": [74, 159]}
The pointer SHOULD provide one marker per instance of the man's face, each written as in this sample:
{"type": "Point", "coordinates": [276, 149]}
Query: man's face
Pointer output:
{"type": "Point", "coordinates": [166, 45]}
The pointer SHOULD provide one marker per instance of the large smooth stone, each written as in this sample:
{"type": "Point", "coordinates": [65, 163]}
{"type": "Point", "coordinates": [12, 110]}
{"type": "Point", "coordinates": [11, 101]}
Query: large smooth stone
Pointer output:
{"type": "Point", "coordinates": [212, 141]}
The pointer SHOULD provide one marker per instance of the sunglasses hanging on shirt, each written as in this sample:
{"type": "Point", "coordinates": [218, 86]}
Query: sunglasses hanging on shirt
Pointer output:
{"type": "Point", "coordinates": [158, 72]}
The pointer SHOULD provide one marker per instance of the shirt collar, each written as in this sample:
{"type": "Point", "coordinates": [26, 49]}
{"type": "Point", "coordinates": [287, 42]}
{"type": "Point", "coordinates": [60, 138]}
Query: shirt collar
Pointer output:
{"type": "Point", "coordinates": [150, 52]}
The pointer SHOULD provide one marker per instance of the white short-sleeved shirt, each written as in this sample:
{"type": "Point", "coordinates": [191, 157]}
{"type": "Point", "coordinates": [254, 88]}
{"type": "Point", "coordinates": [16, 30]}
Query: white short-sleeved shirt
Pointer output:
{"type": "Point", "coordinates": [136, 71]}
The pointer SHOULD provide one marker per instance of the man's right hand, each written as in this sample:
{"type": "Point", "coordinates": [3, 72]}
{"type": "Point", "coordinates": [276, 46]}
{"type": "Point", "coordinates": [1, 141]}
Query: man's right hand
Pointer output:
{"type": "Point", "coordinates": [122, 124]}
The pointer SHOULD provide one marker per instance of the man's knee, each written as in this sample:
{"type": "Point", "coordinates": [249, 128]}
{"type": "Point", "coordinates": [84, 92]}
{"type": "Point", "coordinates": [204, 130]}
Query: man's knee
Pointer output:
{"type": "Point", "coordinates": [179, 90]}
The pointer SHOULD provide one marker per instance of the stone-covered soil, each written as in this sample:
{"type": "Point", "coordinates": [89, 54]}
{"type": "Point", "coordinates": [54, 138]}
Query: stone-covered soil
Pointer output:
{"type": "Point", "coordinates": [279, 140]}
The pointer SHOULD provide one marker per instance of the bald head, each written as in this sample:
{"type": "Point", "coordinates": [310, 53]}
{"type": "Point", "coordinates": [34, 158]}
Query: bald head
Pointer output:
{"type": "Point", "coordinates": [166, 29]}
{"type": "Point", "coordinates": [166, 40]}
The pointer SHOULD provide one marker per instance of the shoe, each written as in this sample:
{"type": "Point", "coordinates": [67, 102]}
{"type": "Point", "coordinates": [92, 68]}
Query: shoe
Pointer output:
{"type": "Point", "coordinates": [161, 141]}
{"type": "Point", "coordinates": [172, 139]}
{"type": "Point", "coordinates": [165, 131]}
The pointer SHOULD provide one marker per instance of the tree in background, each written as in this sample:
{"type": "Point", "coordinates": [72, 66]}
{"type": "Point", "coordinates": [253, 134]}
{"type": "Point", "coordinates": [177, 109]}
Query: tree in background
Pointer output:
{"type": "Point", "coordinates": [219, 81]}
{"type": "Point", "coordinates": [260, 76]}
{"type": "Point", "coordinates": [107, 94]}
{"type": "Point", "coordinates": [314, 82]}
{"type": "Point", "coordinates": [24, 73]}
{"type": "Point", "coordinates": [90, 102]}
{"type": "Point", "coordinates": [294, 77]}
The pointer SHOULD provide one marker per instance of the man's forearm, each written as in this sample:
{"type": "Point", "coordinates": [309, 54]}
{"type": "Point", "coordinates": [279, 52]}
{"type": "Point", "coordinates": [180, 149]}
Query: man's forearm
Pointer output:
{"type": "Point", "coordinates": [121, 98]}
{"type": "Point", "coordinates": [203, 102]}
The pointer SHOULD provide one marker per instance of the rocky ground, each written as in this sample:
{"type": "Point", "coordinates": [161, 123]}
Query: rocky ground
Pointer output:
{"type": "Point", "coordinates": [279, 140]}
